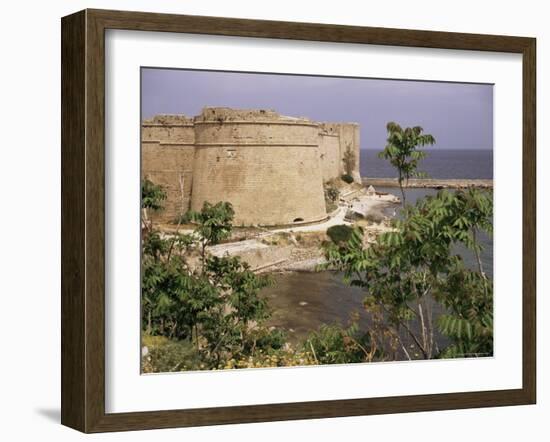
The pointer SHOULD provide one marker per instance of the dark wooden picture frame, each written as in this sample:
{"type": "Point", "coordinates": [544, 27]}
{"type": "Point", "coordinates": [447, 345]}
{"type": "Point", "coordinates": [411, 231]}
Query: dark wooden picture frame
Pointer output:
{"type": "Point", "coordinates": [83, 220]}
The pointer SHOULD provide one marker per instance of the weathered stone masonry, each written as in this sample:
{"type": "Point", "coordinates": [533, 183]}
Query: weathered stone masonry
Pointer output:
{"type": "Point", "coordinates": [270, 167]}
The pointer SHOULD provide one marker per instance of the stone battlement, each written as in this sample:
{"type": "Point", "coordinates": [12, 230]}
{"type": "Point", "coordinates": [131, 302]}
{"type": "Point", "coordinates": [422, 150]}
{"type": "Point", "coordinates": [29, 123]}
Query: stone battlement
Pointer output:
{"type": "Point", "coordinates": [223, 114]}
{"type": "Point", "coordinates": [270, 167]}
{"type": "Point", "coordinates": [168, 120]}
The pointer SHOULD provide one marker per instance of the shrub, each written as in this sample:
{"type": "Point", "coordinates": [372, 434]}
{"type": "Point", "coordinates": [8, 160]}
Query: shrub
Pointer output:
{"type": "Point", "coordinates": [339, 233]}
{"type": "Point", "coordinates": [333, 344]}
{"type": "Point", "coordinates": [347, 178]}
{"type": "Point", "coordinates": [375, 218]}
{"type": "Point", "coordinates": [331, 193]}
{"type": "Point", "coordinates": [268, 339]}
{"type": "Point", "coordinates": [164, 355]}
{"type": "Point", "coordinates": [152, 195]}
{"type": "Point", "coordinates": [286, 356]}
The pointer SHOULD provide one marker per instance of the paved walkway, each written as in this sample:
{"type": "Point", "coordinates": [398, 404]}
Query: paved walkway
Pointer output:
{"type": "Point", "coordinates": [337, 218]}
{"type": "Point", "coordinates": [363, 205]}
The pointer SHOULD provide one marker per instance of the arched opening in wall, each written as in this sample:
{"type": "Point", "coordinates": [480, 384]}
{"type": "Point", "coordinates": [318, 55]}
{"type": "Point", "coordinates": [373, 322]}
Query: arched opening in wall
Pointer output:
{"type": "Point", "coordinates": [298, 220]}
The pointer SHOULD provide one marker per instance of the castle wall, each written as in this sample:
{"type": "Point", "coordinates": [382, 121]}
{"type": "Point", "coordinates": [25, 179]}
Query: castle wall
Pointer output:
{"type": "Point", "coordinates": [329, 147]}
{"type": "Point", "coordinates": [268, 168]}
{"type": "Point", "coordinates": [167, 155]}
{"type": "Point", "coordinates": [170, 128]}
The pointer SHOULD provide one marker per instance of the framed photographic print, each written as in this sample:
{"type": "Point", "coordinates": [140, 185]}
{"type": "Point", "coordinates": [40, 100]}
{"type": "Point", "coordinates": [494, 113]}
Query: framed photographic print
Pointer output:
{"type": "Point", "coordinates": [267, 221]}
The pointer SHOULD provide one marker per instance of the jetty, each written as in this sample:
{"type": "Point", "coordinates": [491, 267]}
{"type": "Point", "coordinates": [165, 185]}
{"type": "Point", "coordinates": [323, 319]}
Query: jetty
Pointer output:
{"type": "Point", "coordinates": [431, 183]}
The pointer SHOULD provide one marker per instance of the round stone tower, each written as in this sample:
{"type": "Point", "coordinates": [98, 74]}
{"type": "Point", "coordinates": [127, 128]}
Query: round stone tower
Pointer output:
{"type": "Point", "coordinates": [266, 165]}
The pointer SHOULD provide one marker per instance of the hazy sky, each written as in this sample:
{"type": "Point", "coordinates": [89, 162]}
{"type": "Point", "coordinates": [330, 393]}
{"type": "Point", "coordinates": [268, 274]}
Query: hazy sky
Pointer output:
{"type": "Point", "coordinates": [460, 116]}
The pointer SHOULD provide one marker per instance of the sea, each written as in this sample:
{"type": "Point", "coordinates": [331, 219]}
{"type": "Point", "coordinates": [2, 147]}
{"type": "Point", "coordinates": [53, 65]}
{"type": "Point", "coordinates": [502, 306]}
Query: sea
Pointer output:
{"type": "Point", "coordinates": [439, 163]}
{"type": "Point", "coordinates": [301, 302]}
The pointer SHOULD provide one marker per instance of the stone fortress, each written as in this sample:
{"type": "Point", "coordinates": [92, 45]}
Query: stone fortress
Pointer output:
{"type": "Point", "coordinates": [270, 167]}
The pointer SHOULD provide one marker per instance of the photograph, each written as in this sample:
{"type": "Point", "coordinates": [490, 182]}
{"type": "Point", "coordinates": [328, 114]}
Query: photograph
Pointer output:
{"type": "Point", "coordinates": [275, 221]}
{"type": "Point", "coordinates": [300, 220]}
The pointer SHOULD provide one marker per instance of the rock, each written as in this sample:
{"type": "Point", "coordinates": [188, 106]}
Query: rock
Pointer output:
{"type": "Point", "coordinates": [353, 215]}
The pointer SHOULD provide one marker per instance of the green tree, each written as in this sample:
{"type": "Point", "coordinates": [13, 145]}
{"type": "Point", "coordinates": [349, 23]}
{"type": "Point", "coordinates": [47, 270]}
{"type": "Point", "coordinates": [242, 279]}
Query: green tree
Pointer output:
{"type": "Point", "coordinates": [231, 328]}
{"type": "Point", "coordinates": [402, 151]}
{"type": "Point", "coordinates": [410, 269]}
{"type": "Point", "coordinates": [189, 295]}
{"type": "Point", "coordinates": [213, 224]}
{"type": "Point", "coordinates": [152, 198]}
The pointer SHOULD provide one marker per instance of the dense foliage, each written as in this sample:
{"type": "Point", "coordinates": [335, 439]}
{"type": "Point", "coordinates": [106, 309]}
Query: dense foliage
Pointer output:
{"type": "Point", "coordinates": [339, 233]}
{"type": "Point", "coordinates": [334, 344]}
{"type": "Point", "coordinates": [210, 304]}
{"type": "Point", "coordinates": [413, 270]}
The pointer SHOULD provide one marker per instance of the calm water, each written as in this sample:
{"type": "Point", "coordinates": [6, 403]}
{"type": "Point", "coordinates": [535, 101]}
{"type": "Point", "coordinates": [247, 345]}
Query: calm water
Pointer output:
{"type": "Point", "coordinates": [437, 164]}
{"type": "Point", "coordinates": [301, 302]}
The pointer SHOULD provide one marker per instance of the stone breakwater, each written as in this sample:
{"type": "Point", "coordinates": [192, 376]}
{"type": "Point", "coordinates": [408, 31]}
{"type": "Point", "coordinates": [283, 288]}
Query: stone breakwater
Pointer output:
{"type": "Point", "coordinates": [432, 183]}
